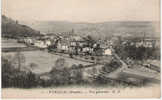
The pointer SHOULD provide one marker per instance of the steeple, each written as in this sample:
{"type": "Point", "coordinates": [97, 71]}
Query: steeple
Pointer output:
{"type": "Point", "coordinates": [72, 31]}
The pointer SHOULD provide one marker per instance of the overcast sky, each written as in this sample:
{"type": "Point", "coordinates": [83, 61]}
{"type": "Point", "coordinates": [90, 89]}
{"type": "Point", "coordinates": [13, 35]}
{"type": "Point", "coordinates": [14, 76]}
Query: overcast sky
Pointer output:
{"type": "Point", "coordinates": [82, 10]}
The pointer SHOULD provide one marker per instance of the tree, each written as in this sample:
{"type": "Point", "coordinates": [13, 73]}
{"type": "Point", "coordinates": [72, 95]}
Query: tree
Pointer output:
{"type": "Point", "coordinates": [12, 77]}
{"type": "Point", "coordinates": [60, 76]}
{"type": "Point", "coordinates": [90, 40]}
{"type": "Point", "coordinates": [7, 72]}
{"type": "Point", "coordinates": [110, 67]}
{"type": "Point", "coordinates": [76, 76]}
{"type": "Point", "coordinates": [60, 63]}
{"type": "Point", "coordinates": [33, 65]}
{"type": "Point", "coordinates": [19, 59]}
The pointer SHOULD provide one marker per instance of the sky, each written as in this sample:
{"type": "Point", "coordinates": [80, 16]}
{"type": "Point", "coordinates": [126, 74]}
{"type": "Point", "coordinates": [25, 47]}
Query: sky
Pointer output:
{"type": "Point", "coordinates": [82, 10]}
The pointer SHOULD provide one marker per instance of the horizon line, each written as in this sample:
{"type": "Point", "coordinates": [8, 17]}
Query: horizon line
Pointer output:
{"type": "Point", "coordinates": [70, 21]}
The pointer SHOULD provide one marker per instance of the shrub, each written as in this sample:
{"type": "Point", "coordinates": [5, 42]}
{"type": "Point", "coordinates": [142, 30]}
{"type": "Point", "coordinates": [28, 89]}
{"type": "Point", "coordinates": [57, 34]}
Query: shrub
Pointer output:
{"type": "Point", "coordinates": [110, 67]}
{"type": "Point", "coordinates": [137, 53]}
{"type": "Point", "coordinates": [60, 63]}
{"type": "Point", "coordinates": [60, 76]}
{"type": "Point", "coordinates": [76, 76]}
{"type": "Point", "coordinates": [13, 77]}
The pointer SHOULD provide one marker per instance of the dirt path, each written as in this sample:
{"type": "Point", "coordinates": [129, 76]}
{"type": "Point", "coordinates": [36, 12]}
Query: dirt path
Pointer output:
{"type": "Point", "coordinates": [115, 73]}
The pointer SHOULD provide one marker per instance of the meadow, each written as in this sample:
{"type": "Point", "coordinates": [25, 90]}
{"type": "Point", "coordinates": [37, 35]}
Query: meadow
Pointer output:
{"type": "Point", "coordinates": [44, 60]}
{"type": "Point", "coordinates": [7, 43]}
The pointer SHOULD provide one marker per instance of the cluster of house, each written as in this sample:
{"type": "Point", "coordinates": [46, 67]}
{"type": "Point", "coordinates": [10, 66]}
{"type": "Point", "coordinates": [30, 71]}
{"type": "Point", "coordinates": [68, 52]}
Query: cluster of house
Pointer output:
{"type": "Point", "coordinates": [38, 42]}
{"type": "Point", "coordinates": [75, 44]}
{"type": "Point", "coordinates": [147, 43]}
{"type": "Point", "coordinates": [72, 44]}
{"type": "Point", "coordinates": [78, 45]}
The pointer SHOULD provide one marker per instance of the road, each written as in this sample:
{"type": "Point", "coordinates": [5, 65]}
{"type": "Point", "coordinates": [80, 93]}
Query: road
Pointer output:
{"type": "Point", "coordinates": [124, 73]}
{"type": "Point", "coordinates": [116, 73]}
{"type": "Point", "coordinates": [124, 70]}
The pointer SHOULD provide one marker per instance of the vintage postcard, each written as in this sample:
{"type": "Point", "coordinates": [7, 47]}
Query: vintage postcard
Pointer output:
{"type": "Point", "coordinates": [80, 49]}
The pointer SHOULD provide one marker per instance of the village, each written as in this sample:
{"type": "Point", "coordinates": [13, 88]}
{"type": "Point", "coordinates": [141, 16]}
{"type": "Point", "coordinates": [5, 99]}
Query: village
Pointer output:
{"type": "Point", "coordinates": [80, 48]}
{"type": "Point", "coordinates": [121, 55]}
{"type": "Point", "coordinates": [69, 43]}
{"type": "Point", "coordinates": [73, 44]}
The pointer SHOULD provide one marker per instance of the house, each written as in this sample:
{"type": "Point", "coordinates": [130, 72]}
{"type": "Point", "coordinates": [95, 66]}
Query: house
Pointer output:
{"type": "Point", "coordinates": [40, 44]}
{"type": "Point", "coordinates": [87, 50]}
{"type": "Point", "coordinates": [107, 51]}
{"type": "Point", "coordinates": [28, 40]}
{"type": "Point", "coordinates": [62, 45]}
{"type": "Point", "coordinates": [47, 42]}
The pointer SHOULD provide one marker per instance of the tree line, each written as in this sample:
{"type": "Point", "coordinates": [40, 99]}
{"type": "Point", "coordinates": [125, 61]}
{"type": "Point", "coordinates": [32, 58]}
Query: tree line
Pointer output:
{"type": "Point", "coordinates": [13, 74]}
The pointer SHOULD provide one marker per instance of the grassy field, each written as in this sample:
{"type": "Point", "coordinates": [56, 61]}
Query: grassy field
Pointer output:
{"type": "Point", "coordinates": [7, 43]}
{"type": "Point", "coordinates": [44, 60]}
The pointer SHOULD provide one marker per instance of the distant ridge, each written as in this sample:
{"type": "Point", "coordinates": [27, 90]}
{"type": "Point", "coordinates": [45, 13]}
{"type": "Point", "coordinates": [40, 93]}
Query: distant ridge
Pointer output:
{"type": "Point", "coordinates": [99, 30]}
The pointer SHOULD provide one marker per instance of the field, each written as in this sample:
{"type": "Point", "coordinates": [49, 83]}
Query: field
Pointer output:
{"type": "Point", "coordinates": [44, 60]}
{"type": "Point", "coordinates": [7, 43]}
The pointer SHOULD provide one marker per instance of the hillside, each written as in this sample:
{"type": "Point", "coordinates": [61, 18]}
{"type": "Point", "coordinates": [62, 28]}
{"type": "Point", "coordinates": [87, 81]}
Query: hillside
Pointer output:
{"type": "Point", "coordinates": [99, 30]}
{"type": "Point", "coordinates": [13, 29]}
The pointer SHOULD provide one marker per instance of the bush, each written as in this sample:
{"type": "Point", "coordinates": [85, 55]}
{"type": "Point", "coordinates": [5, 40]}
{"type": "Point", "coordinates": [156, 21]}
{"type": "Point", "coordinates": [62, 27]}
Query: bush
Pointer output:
{"type": "Point", "coordinates": [76, 76]}
{"type": "Point", "coordinates": [110, 67]}
{"type": "Point", "coordinates": [137, 53]}
{"type": "Point", "coordinates": [60, 63]}
{"type": "Point", "coordinates": [64, 76]}
{"type": "Point", "coordinates": [13, 77]}
{"type": "Point", "coordinates": [60, 76]}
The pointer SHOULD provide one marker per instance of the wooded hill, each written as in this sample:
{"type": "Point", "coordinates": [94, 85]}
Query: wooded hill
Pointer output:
{"type": "Point", "coordinates": [12, 29]}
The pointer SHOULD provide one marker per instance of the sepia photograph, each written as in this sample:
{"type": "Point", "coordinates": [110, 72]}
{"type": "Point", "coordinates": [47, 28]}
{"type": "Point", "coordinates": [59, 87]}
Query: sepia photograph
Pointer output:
{"type": "Point", "coordinates": [80, 49]}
